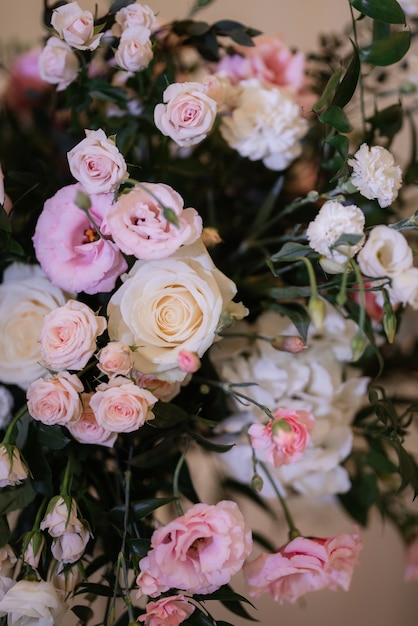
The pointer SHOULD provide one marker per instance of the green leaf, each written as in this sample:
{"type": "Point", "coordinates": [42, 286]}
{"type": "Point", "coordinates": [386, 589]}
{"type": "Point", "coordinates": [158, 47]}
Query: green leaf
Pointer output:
{"type": "Point", "coordinates": [15, 498]}
{"type": "Point", "coordinates": [241, 37]}
{"type": "Point", "coordinates": [335, 117]}
{"type": "Point", "coordinates": [385, 52]}
{"type": "Point", "coordinates": [388, 121]}
{"type": "Point", "coordinates": [52, 437]}
{"type": "Point", "coordinates": [198, 618]}
{"type": "Point", "coordinates": [347, 87]}
{"type": "Point", "coordinates": [199, 4]}
{"type": "Point", "coordinates": [291, 252]}
{"type": "Point", "coordinates": [224, 594]}
{"type": "Point", "coordinates": [119, 4]}
{"type": "Point", "coordinates": [388, 11]}
{"type": "Point", "coordinates": [168, 415]}
{"type": "Point", "coordinates": [340, 143]}
{"type": "Point", "coordinates": [408, 468]}
{"type": "Point", "coordinates": [297, 313]}
{"type": "Point", "coordinates": [83, 613]}
{"type": "Point", "coordinates": [5, 224]}
{"type": "Point", "coordinates": [140, 547]}
{"type": "Point", "coordinates": [4, 531]}
{"type": "Point", "coordinates": [95, 589]}
{"type": "Point", "coordinates": [291, 292]}
{"type": "Point", "coordinates": [329, 90]}
{"type": "Point", "coordinates": [380, 463]}
{"type": "Point", "coordinates": [142, 508]}
{"type": "Point", "coordinates": [210, 445]}
{"type": "Point", "coordinates": [347, 239]}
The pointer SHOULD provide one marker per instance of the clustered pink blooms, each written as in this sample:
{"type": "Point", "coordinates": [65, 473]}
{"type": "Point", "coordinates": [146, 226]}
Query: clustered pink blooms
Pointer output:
{"type": "Point", "coordinates": [197, 552]}
{"type": "Point", "coordinates": [70, 535]}
{"type": "Point", "coordinates": [283, 439]}
{"type": "Point", "coordinates": [87, 429]}
{"type": "Point", "coordinates": [304, 565]}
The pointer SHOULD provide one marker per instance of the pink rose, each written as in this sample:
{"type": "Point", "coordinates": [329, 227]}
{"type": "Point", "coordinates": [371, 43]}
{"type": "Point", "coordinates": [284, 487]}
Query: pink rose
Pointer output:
{"type": "Point", "coordinates": [411, 560]}
{"type": "Point", "coordinates": [121, 406]}
{"type": "Point", "coordinates": [304, 565]}
{"type": "Point", "coordinates": [139, 226]}
{"type": "Point", "coordinates": [68, 336]}
{"type": "Point", "coordinates": [188, 361]}
{"type": "Point", "coordinates": [284, 439]}
{"type": "Point", "coordinates": [135, 14]}
{"type": "Point", "coordinates": [169, 611]}
{"type": "Point", "coordinates": [88, 430]}
{"type": "Point", "coordinates": [55, 400]}
{"type": "Point", "coordinates": [161, 389]}
{"type": "Point", "coordinates": [198, 552]}
{"type": "Point", "coordinates": [115, 358]}
{"type": "Point", "coordinates": [12, 468]}
{"type": "Point", "coordinates": [70, 547]}
{"type": "Point", "coordinates": [96, 163]}
{"type": "Point", "coordinates": [75, 26]}
{"type": "Point", "coordinates": [187, 114]}
{"type": "Point", "coordinates": [61, 517]}
{"type": "Point", "coordinates": [134, 51]}
{"type": "Point", "coordinates": [58, 65]}
{"type": "Point", "coordinates": [33, 550]}
{"type": "Point", "coordinates": [69, 249]}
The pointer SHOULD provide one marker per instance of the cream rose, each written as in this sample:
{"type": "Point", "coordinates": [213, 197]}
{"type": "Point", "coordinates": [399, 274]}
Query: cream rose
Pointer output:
{"type": "Point", "coordinates": [169, 305]}
{"type": "Point", "coordinates": [32, 603]}
{"type": "Point", "coordinates": [187, 114]}
{"type": "Point", "coordinates": [75, 26]}
{"type": "Point", "coordinates": [375, 174]}
{"type": "Point", "coordinates": [58, 65]}
{"type": "Point", "coordinates": [68, 336]}
{"type": "Point", "coordinates": [55, 400]}
{"type": "Point", "coordinates": [96, 163]}
{"type": "Point", "coordinates": [26, 297]}
{"type": "Point", "coordinates": [134, 51]}
{"type": "Point", "coordinates": [12, 468]}
{"type": "Point", "coordinates": [135, 14]}
{"type": "Point", "coordinates": [385, 253]}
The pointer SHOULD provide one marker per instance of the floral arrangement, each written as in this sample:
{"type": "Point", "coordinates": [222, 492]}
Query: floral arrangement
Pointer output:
{"type": "Point", "coordinates": [207, 251]}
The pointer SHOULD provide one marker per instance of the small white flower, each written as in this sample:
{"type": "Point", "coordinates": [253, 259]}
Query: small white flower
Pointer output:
{"type": "Point", "coordinates": [334, 220]}
{"type": "Point", "coordinates": [375, 174]}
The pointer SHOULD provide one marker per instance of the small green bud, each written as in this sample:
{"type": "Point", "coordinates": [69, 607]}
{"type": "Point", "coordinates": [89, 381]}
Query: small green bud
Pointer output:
{"type": "Point", "coordinates": [316, 308]}
{"type": "Point", "coordinates": [288, 343]}
{"type": "Point", "coordinates": [257, 483]}
{"type": "Point", "coordinates": [358, 343]}
{"type": "Point", "coordinates": [389, 325]}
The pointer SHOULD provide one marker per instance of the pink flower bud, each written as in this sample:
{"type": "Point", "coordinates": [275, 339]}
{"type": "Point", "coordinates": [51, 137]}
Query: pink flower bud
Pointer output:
{"type": "Point", "coordinates": [288, 343]}
{"type": "Point", "coordinates": [188, 361]}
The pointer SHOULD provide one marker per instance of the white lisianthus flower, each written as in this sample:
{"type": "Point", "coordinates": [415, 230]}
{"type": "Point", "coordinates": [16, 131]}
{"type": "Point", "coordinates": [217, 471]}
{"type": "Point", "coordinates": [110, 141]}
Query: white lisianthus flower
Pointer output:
{"type": "Point", "coordinates": [266, 125]}
{"type": "Point", "coordinates": [385, 253]}
{"type": "Point", "coordinates": [32, 603]}
{"type": "Point", "coordinates": [375, 174]}
{"type": "Point", "coordinates": [404, 287]}
{"type": "Point", "coordinates": [334, 220]}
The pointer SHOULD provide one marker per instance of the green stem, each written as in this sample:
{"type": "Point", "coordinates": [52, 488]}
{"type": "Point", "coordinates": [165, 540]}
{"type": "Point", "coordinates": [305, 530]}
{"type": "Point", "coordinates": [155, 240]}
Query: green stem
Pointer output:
{"type": "Point", "coordinates": [13, 423]}
{"type": "Point", "coordinates": [176, 476]}
{"type": "Point", "coordinates": [361, 86]}
{"type": "Point", "coordinates": [66, 481]}
{"type": "Point", "coordinates": [293, 531]}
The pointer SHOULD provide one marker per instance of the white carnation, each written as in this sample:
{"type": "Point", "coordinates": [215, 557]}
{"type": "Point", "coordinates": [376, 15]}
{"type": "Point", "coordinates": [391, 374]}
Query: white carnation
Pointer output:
{"type": "Point", "coordinates": [375, 174]}
{"type": "Point", "coordinates": [265, 125]}
{"type": "Point", "coordinates": [334, 220]}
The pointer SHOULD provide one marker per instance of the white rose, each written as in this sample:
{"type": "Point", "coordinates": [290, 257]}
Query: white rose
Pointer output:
{"type": "Point", "coordinates": [58, 65]}
{"type": "Point", "coordinates": [32, 603]}
{"type": "Point", "coordinates": [169, 305]}
{"type": "Point", "coordinates": [334, 220]}
{"type": "Point", "coordinates": [26, 296]}
{"type": "Point", "coordinates": [70, 547]}
{"type": "Point", "coordinates": [96, 163]}
{"type": "Point", "coordinates": [6, 405]}
{"type": "Point", "coordinates": [134, 14]}
{"type": "Point", "coordinates": [75, 26]}
{"type": "Point", "coordinates": [375, 174]}
{"type": "Point", "coordinates": [266, 125]}
{"type": "Point", "coordinates": [187, 114]}
{"type": "Point", "coordinates": [404, 287]}
{"type": "Point", "coordinates": [134, 51]}
{"type": "Point", "coordinates": [385, 253]}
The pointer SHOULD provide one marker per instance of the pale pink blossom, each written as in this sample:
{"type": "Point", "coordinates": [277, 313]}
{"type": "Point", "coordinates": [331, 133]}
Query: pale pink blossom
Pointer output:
{"type": "Point", "coordinates": [70, 547]}
{"type": "Point", "coordinates": [31, 602]}
{"type": "Point", "coordinates": [61, 517]}
{"type": "Point", "coordinates": [197, 552]}
{"type": "Point", "coordinates": [25, 87]}
{"type": "Point", "coordinates": [134, 51]}
{"type": "Point", "coordinates": [304, 565]}
{"type": "Point", "coordinates": [87, 430]}
{"type": "Point", "coordinates": [58, 64]}
{"type": "Point", "coordinates": [168, 611]}
{"type": "Point", "coordinates": [116, 358]}
{"type": "Point", "coordinates": [411, 560]}
{"type": "Point", "coordinates": [68, 336]}
{"type": "Point", "coordinates": [56, 399]}
{"type": "Point", "coordinates": [97, 163]}
{"type": "Point", "coordinates": [161, 389]}
{"type": "Point", "coordinates": [283, 439]}
{"type": "Point", "coordinates": [121, 406]}
{"type": "Point", "coordinates": [7, 559]}
{"type": "Point", "coordinates": [70, 250]}
{"type": "Point", "coordinates": [188, 361]}
{"type": "Point", "coordinates": [12, 468]}
{"type": "Point", "coordinates": [187, 113]}
{"type": "Point", "coordinates": [75, 26]}
{"type": "Point", "coordinates": [33, 551]}
{"type": "Point", "coordinates": [139, 224]}
{"type": "Point", "coordinates": [135, 14]}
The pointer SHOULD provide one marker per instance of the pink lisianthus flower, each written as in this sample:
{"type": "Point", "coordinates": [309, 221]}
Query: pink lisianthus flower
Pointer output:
{"type": "Point", "coordinates": [139, 226]}
{"type": "Point", "coordinates": [197, 552]}
{"type": "Point", "coordinates": [284, 438]}
{"type": "Point", "coordinates": [411, 560]}
{"type": "Point", "coordinates": [68, 247]}
{"type": "Point", "coordinates": [88, 430]}
{"type": "Point", "coordinates": [169, 611]}
{"type": "Point", "coordinates": [304, 565]}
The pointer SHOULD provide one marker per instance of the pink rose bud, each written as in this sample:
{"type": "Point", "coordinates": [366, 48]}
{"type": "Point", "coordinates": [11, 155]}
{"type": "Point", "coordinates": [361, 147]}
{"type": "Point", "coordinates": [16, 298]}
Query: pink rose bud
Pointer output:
{"type": "Point", "coordinates": [115, 358]}
{"type": "Point", "coordinates": [12, 468]}
{"type": "Point", "coordinates": [288, 343]}
{"type": "Point", "coordinates": [211, 237]}
{"type": "Point", "coordinates": [188, 361]}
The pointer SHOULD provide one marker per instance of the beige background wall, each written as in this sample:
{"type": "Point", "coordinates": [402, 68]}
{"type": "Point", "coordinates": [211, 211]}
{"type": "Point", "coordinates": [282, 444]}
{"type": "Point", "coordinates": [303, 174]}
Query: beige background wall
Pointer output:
{"type": "Point", "coordinates": [378, 594]}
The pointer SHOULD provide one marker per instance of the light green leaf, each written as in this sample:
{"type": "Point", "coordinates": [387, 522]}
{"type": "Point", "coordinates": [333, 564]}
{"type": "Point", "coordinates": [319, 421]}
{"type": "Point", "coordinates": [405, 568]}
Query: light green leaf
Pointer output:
{"type": "Point", "coordinates": [335, 117]}
{"type": "Point", "coordinates": [329, 90]}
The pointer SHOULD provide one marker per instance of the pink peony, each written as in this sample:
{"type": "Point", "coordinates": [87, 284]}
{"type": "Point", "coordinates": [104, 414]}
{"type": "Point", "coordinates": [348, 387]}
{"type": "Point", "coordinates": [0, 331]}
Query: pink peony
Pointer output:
{"type": "Point", "coordinates": [68, 247]}
{"type": "Point", "coordinates": [121, 406]}
{"type": "Point", "coordinates": [411, 558]}
{"type": "Point", "coordinates": [68, 336]}
{"type": "Point", "coordinates": [88, 430]}
{"type": "Point", "coordinates": [169, 611]}
{"type": "Point", "coordinates": [139, 226]}
{"type": "Point", "coordinates": [197, 552]}
{"type": "Point", "coordinates": [284, 438]}
{"type": "Point", "coordinates": [304, 565]}
{"type": "Point", "coordinates": [55, 400]}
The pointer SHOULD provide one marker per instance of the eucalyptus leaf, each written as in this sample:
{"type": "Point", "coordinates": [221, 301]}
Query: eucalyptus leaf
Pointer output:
{"type": "Point", "coordinates": [335, 117]}
{"type": "Point", "coordinates": [387, 51]}
{"type": "Point", "coordinates": [384, 10]}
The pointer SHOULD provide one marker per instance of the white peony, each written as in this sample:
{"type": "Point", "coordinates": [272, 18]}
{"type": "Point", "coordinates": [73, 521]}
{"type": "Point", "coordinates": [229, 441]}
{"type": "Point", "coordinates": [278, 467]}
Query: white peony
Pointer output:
{"type": "Point", "coordinates": [375, 174]}
{"type": "Point", "coordinates": [334, 220]}
{"type": "Point", "coordinates": [266, 125]}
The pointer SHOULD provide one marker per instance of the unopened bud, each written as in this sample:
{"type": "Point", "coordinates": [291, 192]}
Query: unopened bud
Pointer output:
{"type": "Point", "coordinates": [358, 343]}
{"type": "Point", "coordinates": [210, 237]}
{"type": "Point", "coordinates": [188, 361]}
{"type": "Point", "coordinates": [316, 308]}
{"type": "Point", "coordinates": [257, 483]}
{"type": "Point", "coordinates": [288, 343]}
{"type": "Point", "coordinates": [389, 325]}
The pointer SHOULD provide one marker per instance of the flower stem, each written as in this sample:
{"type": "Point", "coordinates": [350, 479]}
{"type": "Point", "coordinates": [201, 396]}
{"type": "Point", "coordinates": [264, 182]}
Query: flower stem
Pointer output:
{"type": "Point", "coordinates": [293, 530]}
{"type": "Point", "coordinates": [176, 477]}
{"type": "Point", "coordinates": [13, 423]}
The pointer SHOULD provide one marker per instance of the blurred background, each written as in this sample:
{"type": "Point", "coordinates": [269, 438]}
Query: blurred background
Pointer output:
{"type": "Point", "coordinates": [378, 594]}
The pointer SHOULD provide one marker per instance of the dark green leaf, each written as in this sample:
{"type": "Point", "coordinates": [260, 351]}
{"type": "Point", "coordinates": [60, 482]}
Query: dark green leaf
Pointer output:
{"type": "Point", "coordinates": [224, 594]}
{"type": "Point", "coordinates": [340, 143]}
{"type": "Point", "coordinates": [198, 618]}
{"type": "Point", "coordinates": [83, 613]}
{"type": "Point", "coordinates": [227, 26]}
{"type": "Point", "coordinates": [200, 4]}
{"type": "Point", "coordinates": [14, 498]}
{"type": "Point", "coordinates": [4, 531]}
{"type": "Point", "coordinates": [168, 415]}
{"type": "Point", "coordinates": [291, 252]}
{"type": "Point", "coordinates": [408, 468]}
{"type": "Point", "coordinates": [140, 547]}
{"type": "Point", "coordinates": [153, 456]}
{"type": "Point", "coordinates": [347, 87]}
{"type": "Point", "coordinates": [142, 508]}
{"type": "Point", "coordinates": [95, 589]}
{"type": "Point", "coordinates": [388, 121]}
{"type": "Point", "coordinates": [191, 28]}
{"type": "Point", "coordinates": [119, 4]}
{"type": "Point", "coordinates": [186, 484]}
{"type": "Point", "coordinates": [379, 462]}
{"type": "Point", "coordinates": [387, 51]}
{"type": "Point", "coordinates": [335, 117]}
{"type": "Point", "coordinates": [384, 10]}
{"type": "Point", "coordinates": [241, 37]}
{"type": "Point", "coordinates": [52, 437]}
{"type": "Point", "coordinates": [210, 445]}
{"type": "Point", "coordinates": [5, 224]}
{"type": "Point", "coordinates": [329, 90]}
{"type": "Point", "coordinates": [297, 313]}
{"type": "Point", "coordinates": [289, 293]}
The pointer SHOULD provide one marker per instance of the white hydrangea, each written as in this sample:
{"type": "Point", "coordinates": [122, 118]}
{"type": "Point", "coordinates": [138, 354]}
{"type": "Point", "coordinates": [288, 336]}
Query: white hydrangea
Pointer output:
{"type": "Point", "coordinates": [318, 380]}
{"type": "Point", "coordinates": [375, 174]}
{"type": "Point", "coordinates": [334, 220]}
{"type": "Point", "coordinates": [266, 125]}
